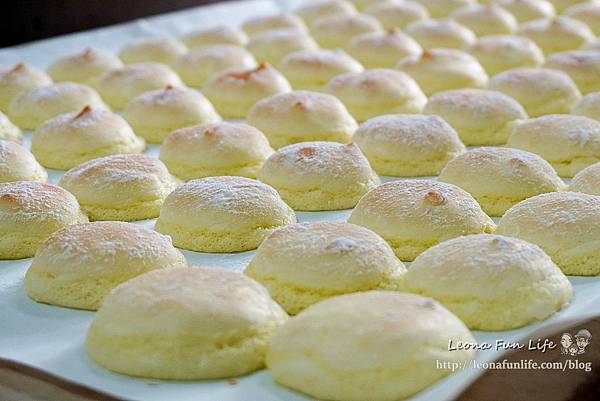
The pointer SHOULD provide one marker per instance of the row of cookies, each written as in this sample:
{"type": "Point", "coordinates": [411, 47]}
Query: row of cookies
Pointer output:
{"type": "Point", "coordinates": [163, 320]}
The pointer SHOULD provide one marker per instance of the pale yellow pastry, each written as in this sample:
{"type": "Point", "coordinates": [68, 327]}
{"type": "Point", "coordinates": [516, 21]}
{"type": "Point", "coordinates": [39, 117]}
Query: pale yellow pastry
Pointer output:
{"type": "Point", "coordinates": [233, 92]}
{"type": "Point", "coordinates": [312, 10]}
{"type": "Point", "coordinates": [84, 67]}
{"type": "Point", "coordinates": [30, 212]}
{"type": "Point", "coordinates": [539, 90]}
{"type": "Point", "coordinates": [30, 109]}
{"type": "Point", "coordinates": [375, 345]}
{"type": "Point", "coordinates": [375, 92]}
{"type": "Point", "coordinates": [448, 34]}
{"type": "Point", "coordinates": [562, 5]}
{"type": "Point", "coordinates": [439, 70]}
{"type": "Point", "coordinates": [443, 8]}
{"type": "Point", "coordinates": [568, 143]}
{"type": "Point", "coordinates": [499, 178]}
{"type": "Point", "coordinates": [382, 49]}
{"type": "Point", "coordinates": [74, 138]}
{"type": "Point", "coordinates": [413, 215]}
{"type": "Point", "coordinates": [18, 164]}
{"type": "Point", "coordinates": [258, 25]}
{"type": "Point", "coordinates": [497, 53]}
{"type": "Point", "coordinates": [19, 78]}
{"type": "Point", "coordinates": [301, 116]}
{"type": "Point", "coordinates": [588, 12]}
{"type": "Point", "coordinates": [583, 66]}
{"type": "Point", "coordinates": [587, 180]}
{"type": "Point", "coordinates": [305, 263]}
{"type": "Point", "coordinates": [120, 85]}
{"type": "Point", "coordinates": [479, 116]}
{"type": "Point", "coordinates": [222, 214]}
{"type": "Point", "coordinates": [593, 45]}
{"type": "Point", "coordinates": [364, 4]}
{"type": "Point", "coordinates": [184, 324]}
{"type": "Point", "coordinates": [527, 10]}
{"type": "Point", "coordinates": [198, 66]}
{"type": "Point", "coordinates": [315, 176]}
{"type": "Point", "coordinates": [215, 150]}
{"type": "Point", "coordinates": [485, 19]}
{"type": "Point", "coordinates": [158, 50]}
{"type": "Point", "coordinates": [218, 35]}
{"type": "Point", "coordinates": [491, 282]}
{"type": "Point", "coordinates": [408, 145]}
{"type": "Point", "coordinates": [312, 69]}
{"type": "Point", "coordinates": [566, 225]}
{"type": "Point", "coordinates": [394, 14]}
{"type": "Point", "coordinates": [154, 114]}
{"type": "Point", "coordinates": [9, 131]}
{"type": "Point", "coordinates": [126, 187]}
{"type": "Point", "coordinates": [337, 30]}
{"type": "Point", "coordinates": [78, 265]}
{"type": "Point", "coordinates": [273, 46]}
{"type": "Point", "coordinates": [557, 34]}
{"type": "Point", "coordinates": [588, 106]}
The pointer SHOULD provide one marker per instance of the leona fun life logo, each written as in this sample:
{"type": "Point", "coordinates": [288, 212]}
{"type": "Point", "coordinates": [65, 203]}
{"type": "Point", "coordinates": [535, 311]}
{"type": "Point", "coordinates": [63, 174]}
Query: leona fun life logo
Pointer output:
{"type": "Point", "coordinates": [575, 344]}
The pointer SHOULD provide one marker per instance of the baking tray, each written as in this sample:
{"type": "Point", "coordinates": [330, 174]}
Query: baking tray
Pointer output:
{"type": "Point", "coordinates": [52, 338]}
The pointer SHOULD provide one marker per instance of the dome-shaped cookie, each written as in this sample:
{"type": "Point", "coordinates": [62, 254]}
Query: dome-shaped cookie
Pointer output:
{"type": "Point", "coordinates": [273, 46]}
{"type": "Point", "coordinates": [491, 282]}
{"type": "Point", "coordinates": [218, 35]}
{"type": "Point", "coordinates": [304, 263]}
{"type": "Point", "coordinates": [583, 66]}
{"type": "Point", "coordinates": [485, 19]}
{"type": "Point", "coordinates": [312, 69]}
{"type": "Point", "coordinates": [539, 90]}
{"type": "Point", "coordinates": [408, 145]}
{"type": "Point", "coordinates": [337, 31]}
{"type": "Point", "coordinates": [382, 49]}
{"type": "Point", "coordinates": [566, 225]}
{"type": "Point", "coordinates": [78, 265]}
{"type": "Point", "coordinates": [74, 138]}
{"type": "Point", "coordinates": [215, 150]}
{"type": "Point", "coordinates": [121, 187]}
{"type": "Point", "coordinates": [438, 70]}
{"type": "Point", "coordinates": [30, 212]}
{"type": "Point", "coordinates": [479, 116]}
{"type": "Point", "coordinates": [198, 66]}
{"type": "Point", "coordinates": [301, 116]}
{"type": "Point", "coordinates": [84, 67]}
{"type": "Point", "coordinates": [120, 85]}
{"type": "Point", "coordinates": [557, 34]}
{"type": "Point", "coordinates": [378, 91]}
{"type": "Point", "coordinates": [18, 78]}
{"type": "Point", "coordinates": [31, 108]}
{"type": "Point", "coordinates": [18, 164]}
{"type": "Point", "coordinates": [499, 178]}
{"type": "Point", "coordinates": [233, 92]}
{"type": "Point", "coordinates": [158, 50]}
{"type": "Point", "coordinates": [413, 215]}
{"type": "Point", "coordinates": [315, 176]}
{"type": "Point", "coordinates": [154, 114]}
{"type": "Point", "coordinates": [222, 214]}
{"type": "Point", "coordinates": [527, 10]}
{"type": "Point", "coordinates": [434, 34]}
{"type": "Point", "coordinates": [587, 180]}
{"type": "Point", "coordinates": [257, 25]}
{"type": "Point", "coordinates": [374, 345]}
{"type": "Point", "coordinates": [184, 324]}
{"type": "Point", "coordinates": [497, 53]}
{"type": "Point", "coordinates": [9, 131]}
{"type": "Point", "coordinates": [588, 106]}
{"type": "Point", "coordinates": [394, 14]}
{"type": "Point", "coordinates": [568, 143]}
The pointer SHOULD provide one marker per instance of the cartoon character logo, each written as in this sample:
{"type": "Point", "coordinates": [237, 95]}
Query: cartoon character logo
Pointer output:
{"type": "Point", "coordinates": [582, 340]}
{"type": "Point", "coordinates": [575, 345]}
{"type": "Point", "coordinates": [566, 341]}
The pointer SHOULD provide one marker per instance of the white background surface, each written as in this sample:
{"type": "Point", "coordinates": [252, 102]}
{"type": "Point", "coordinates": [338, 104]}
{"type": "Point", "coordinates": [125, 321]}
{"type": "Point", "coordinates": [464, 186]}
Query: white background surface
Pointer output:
{"type": "Point", "coordinates": [52, 338]}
